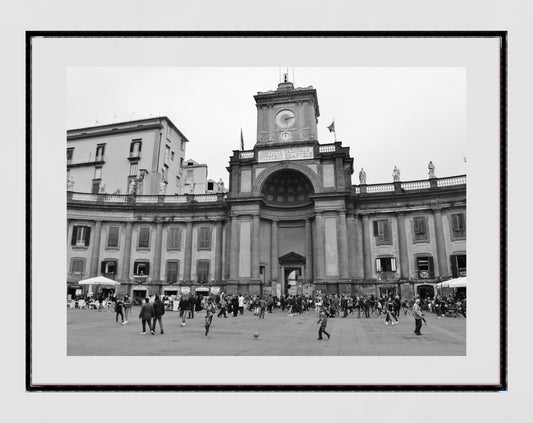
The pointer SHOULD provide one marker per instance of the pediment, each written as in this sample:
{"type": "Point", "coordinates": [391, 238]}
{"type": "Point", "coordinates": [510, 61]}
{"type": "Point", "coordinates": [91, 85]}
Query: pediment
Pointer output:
{"type": "Point", "coordinates": [292, 258]}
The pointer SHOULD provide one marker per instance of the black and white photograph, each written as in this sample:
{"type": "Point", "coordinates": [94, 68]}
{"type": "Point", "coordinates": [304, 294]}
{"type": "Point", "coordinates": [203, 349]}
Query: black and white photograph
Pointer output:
{"type": "Point", "coordinates": [278, 211]}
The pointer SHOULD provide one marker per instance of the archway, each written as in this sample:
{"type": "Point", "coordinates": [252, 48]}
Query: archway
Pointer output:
{"type": "Point", "coordinates": [287, 187]}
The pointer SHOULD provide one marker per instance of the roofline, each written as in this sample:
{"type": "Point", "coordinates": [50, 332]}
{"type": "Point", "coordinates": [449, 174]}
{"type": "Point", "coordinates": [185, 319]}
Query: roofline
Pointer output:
{"type": "Point", "coordinates": [111, 125]}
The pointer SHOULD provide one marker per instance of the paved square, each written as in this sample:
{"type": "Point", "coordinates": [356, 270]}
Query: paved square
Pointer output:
{"type": "Point", "coordinates": [93, 333]}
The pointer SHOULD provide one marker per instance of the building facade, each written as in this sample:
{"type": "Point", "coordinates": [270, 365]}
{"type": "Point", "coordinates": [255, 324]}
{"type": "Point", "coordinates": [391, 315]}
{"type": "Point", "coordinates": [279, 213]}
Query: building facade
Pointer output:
{"type": "Point", "coordinates": [292, 221]}
{"type": "Point", "coordinates": [145, 155]}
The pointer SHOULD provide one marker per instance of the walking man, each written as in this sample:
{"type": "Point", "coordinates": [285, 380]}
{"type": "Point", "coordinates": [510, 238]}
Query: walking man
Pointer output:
{"type": "Point", "coordinates": [127, 309]}
{"type": "Point", "coordinates": [118, 311]}
{"type": "Point", "coordinates": [147, 314]}
{"type": "Point", "coordinates": [323, 322]}
{"type": "Point", "coordinates": [417, 312]}
{"type": "Point", "coordinates": [262, 308]}
{"type": "Point", "coordinates": [159, 310]}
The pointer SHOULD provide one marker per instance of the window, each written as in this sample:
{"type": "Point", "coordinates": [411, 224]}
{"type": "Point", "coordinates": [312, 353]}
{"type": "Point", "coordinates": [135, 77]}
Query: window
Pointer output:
{"type": "Point", "coordinates": [173, 268]}
{"type": "Point", "coordinates": [172, 155]}
{"type": "Point", "coordinates": [98, 172]}
{"type": "Point", "coordinates": [177, 181]}
{"type": "Point", "coordinates": [141, 268]}
{"type": "Point", "coordinates": [189, 176]}
{"type": "Point", "coordinates": [109, 268]}
{"type": "Point", "coordinates": [182, 145]}
{"type": "Point", "coordinates": [100, 150]}
{"type": "Point", "coordinates": [420, 228]}
{"type": "Point", "coordinates": [167, 153]}
{"type": "Point", "coordinates": [165, 173]}
{"type": "Point", "coordinates": [135, 148]}
{"type": "Point", "coordinates": [144, 238]}
{"type": "Point", "coordinates": [458, 225]}
{"type": "Point", "coordinates": [112, 236]}
{"type": "Point", "coordinates": [204, 238]}
{"type": "Point", "coordinates": [202, 270]}
{"type": "Point", "coordinates": [458, 262]}
{"type": "Point", "coordinates": [80, 236]}
{"type": "Point", "coordinates": [77, 266]}
{"type": "Point", "coordinates": [386, 264]}
{"type": "Point", "coordinates": [382, 231]}
{"type": "Point", "coordinates": [174, 239]}
{"type": "Point", "coordinates": [134, 169]}
{"type": "Point", "coordinates": [210, 186]}
{"type": "Point", "coordinates": [424, 266]}
{"type": "Point", "coordinates": [70, 153]}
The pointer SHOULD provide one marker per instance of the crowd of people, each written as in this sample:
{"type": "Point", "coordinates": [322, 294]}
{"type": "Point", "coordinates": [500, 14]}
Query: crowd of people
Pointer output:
{"type": "Point", "coordinates": [224, 304]}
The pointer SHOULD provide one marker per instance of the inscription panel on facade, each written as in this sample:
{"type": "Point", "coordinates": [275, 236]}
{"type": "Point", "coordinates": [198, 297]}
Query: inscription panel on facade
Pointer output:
{"type": "Point", "coordinates": [293, 153]}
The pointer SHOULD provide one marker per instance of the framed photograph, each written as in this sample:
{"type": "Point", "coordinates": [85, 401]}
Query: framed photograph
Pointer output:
{"type": "Point", "coordinates": [242, 210]}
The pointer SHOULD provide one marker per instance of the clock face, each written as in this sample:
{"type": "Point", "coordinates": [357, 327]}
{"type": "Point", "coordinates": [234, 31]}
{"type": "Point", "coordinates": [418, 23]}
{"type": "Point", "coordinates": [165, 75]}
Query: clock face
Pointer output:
{"type": "Point", "coordinates": [285, 119]}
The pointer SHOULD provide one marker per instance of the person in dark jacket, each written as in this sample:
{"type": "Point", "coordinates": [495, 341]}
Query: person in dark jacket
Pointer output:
{"type": "Point", "coordinates": [147, 314]}
{"type": "Point", "coordinates": [192, 302]}
{"type": "Point", "coordinates": [159, 310]}
{"type": "Point", "coordinates": [118, 310]}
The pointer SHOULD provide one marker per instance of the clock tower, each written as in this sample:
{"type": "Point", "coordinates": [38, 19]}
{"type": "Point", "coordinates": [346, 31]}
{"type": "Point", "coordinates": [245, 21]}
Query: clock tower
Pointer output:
{"type": "Point", "coordinates": [287, 114]}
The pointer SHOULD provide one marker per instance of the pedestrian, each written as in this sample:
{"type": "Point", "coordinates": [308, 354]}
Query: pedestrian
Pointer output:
{"type": "Point", "coordinates": [118, 310]}
{"type": "Point", "coordinates": [127, 309]}
{"type": "Point", "coordinates": [209, 311]}
{"type": "Point", "coordinates": [235, 305]}
{"type": "Point", "coordinates": [192, 303]}
{"type": "Point", "coordinates": [184, 309]}
{"type": "Point", "coordinates": [159, 310]}
{"type": "Point", "coordinates": [389, 312]}
{"type": "Point", "coordinates": [323, 322]}
{"type": "Point", "coordinates": [417, 312]}
{"type": "Point", "coordinates": [241, 304]}
{"type": "Point", "coordinates": [262, 308]}
{"type": "Point", "coordinates": [223, 305]}
{"type": "Point", "coordinates": [147, 314]}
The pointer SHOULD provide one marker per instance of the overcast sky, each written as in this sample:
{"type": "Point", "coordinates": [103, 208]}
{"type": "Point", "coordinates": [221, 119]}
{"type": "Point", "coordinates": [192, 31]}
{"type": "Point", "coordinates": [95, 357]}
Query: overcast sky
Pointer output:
{"type": "Point", "coordinates": [388, 117]}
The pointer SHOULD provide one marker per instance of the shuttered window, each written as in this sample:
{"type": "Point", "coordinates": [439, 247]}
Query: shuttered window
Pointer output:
{"type": "Point", "coordinates": [172, 271]}
{"type": "Point", "coordinates": [420, 228]}
{"type": "Point", "coordinates": [202, 270]}
{"type": "Point", "coordinates": [144, 238]}
{"type": "Point", "coordinates": [112, 236]}
{"type": "Point", "coordinates": [141, 268]}
{"type": "Point", "coordinates": [174, 239]}
{"type": "Point", "coordinates": [77, 266]}
{"type": "Point", "coordinates": [382, 231]}
{"type": "Point", "coordinates": [80, 236]}
{"type": "Point", "coordinates": [458, 225]}
{"type": "Point", "coordinates": [204, 238]}
{"type": "Point", "coordinates": [425, 268]}
{"type": "Point", "coordinates": [386, 264]}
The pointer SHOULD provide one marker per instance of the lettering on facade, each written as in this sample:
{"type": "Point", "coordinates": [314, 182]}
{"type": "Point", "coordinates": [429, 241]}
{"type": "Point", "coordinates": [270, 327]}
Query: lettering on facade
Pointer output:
{"type": "Point", "coordinates": [294, 153]}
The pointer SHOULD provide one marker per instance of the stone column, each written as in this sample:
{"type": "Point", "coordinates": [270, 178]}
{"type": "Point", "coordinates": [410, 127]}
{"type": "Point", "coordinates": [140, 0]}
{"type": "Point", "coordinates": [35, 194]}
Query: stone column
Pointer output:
{"type": "Point", "coordinates": [299, 121]}
{"type": "Point", "coordinates": [402, 240]}
{"type": "Point", "coordinates": [188, 253]}
{"type": "Point", "coordinates": [234, 249]}
{"type": "Point", "coordinates": [127, 253]}
{"type": "Point", "coordinates": [441, 244]}
{"type": "Point", "coordinates": [255, 248]}
{"type": "Point", "coordinates": [218, 251]}
{"type": "Point", "coordinates": [359, 260]}
{"type": "Point", "coordinates": [308, 251]}
{"type": "Point", "coordinates": [227, 247]}
{"type": "Point", "coordinates": [350, 224]}
{"type": "Point", "coordinates": [320, 265]}
{"type": "Point", "coordinates": [271, 129]}
{"type": "Point", "coordinates": [95, 252]}
{"type": "Point", "coordinates": [367, 252]}
{"type": "Point", "coordinates": [343, 246]}
{"type": "Point", "coordinates": [274, 263]}
{"type": "Point", "coordinates": [156, 275]}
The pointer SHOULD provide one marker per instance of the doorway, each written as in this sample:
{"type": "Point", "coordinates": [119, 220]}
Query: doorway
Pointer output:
{"type": "Point", "coordinates": [290, 278]}
{"type": "Point", "coordinates": [425, 291]}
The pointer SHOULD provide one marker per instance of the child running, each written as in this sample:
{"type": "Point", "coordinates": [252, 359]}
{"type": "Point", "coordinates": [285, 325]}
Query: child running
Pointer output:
{"type": "Point", "coordinates": [209, 311]}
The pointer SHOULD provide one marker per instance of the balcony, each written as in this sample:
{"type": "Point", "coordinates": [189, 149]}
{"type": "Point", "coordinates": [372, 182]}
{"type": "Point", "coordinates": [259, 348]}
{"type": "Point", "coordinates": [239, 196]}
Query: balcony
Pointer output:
{"type": "Point", "coordinates": [141, 200]}
{"type": "Point", "coordinates": [134, 156]}
{"type": "Point", "coordinates": [97, 160]}
{"type": "Point", "coordinates": [420, 185]}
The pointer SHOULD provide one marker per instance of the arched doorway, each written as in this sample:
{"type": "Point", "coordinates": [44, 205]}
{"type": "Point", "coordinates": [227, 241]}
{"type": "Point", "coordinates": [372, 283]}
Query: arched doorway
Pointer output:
{"type": "Point", "coordinates": [425, 291]}
{"type": "Point", "coordinates": [292, 271]}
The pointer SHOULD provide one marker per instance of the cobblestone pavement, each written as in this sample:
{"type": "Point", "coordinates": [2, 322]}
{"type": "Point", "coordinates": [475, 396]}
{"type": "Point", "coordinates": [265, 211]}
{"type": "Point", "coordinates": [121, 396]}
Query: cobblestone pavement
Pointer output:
{"type": "Point", "coordinates": [93, 333]}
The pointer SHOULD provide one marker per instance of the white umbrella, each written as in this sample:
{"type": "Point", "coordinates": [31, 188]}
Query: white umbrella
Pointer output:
{"type": "Point", "coordinates": [99, 280]}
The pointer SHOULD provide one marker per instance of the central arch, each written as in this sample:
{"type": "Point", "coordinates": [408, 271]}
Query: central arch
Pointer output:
{"type": "Point", "coordinates": [287, 187]}
{"type": "Point", "coordinates": [265, 175]}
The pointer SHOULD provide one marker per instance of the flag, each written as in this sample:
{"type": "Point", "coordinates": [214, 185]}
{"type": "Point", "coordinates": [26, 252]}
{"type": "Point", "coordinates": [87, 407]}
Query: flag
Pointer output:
{"type": "Point", "coordinates": [242, 141]}
{"type": "Point", "coordinates": [332, 126]}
